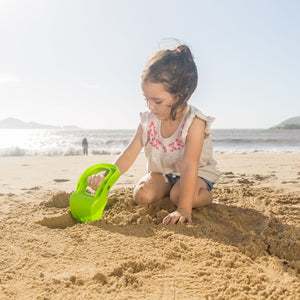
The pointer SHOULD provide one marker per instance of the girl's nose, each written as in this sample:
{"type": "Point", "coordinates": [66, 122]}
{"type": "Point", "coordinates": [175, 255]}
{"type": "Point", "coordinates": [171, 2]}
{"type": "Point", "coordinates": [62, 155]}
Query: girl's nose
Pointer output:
{"type": "Point", "coordinates": [150, 104]}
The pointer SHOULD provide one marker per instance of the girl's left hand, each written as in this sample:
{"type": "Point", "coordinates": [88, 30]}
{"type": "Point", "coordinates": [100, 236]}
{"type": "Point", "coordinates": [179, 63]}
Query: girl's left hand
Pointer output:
{"type": "Point", "coordinates": [178, 216]}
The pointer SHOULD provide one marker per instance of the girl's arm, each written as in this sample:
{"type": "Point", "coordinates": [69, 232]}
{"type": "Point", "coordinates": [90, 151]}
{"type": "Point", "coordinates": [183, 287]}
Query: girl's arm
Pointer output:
{"type": "Point", "coordinates": [124, 160]}
{"type": "Point", "coordinates": [130, 153]}
{"type": "Point", "coordinates": [189, 173]}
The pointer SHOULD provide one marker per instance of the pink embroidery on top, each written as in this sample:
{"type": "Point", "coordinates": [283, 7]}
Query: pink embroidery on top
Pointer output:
{"type": "Point", "coordinates": [157, 144]}
{"type": "Point", "coordinates": [180, 133]}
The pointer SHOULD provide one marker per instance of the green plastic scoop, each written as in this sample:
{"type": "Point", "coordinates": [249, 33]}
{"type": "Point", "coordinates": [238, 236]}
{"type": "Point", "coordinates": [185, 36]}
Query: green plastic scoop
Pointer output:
{"type": "Point", "coordinates": [85, 207]}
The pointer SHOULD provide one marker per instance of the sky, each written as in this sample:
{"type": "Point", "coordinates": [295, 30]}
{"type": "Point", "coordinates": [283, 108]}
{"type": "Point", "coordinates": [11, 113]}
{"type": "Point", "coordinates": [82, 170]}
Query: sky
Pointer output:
{"type": "Point", "coordinates": [79, 62]}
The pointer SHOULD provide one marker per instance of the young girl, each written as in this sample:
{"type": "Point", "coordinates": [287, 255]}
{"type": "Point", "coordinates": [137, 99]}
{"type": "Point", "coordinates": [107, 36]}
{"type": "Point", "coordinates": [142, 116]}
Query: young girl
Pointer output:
{"type": "Point", "coordinates": [175, 136]}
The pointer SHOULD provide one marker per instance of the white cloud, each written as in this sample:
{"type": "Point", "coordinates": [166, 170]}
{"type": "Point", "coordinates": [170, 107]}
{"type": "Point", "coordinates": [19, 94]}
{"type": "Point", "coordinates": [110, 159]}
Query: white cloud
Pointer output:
{"type": "Point", "coordinates": [8, 78]}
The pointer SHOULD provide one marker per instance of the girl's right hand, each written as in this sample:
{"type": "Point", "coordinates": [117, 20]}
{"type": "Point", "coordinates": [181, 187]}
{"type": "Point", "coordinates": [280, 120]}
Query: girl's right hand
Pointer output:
{"type": "Point", "coordinates": [95, 180]}
{"type": "Point", "coordinates": [178, 216]}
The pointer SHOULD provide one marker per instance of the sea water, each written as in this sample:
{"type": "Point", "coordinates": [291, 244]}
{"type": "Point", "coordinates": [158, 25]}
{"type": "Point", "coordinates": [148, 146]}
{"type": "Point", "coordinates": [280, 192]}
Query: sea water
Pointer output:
{"type": "Point", "coordinates": [41, 142]}
{"type": "Point", "coordinates": [256, 140]}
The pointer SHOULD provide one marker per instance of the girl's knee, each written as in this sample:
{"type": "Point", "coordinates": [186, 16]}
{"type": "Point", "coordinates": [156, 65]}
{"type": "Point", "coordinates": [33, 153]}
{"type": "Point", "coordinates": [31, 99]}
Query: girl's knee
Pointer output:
{"type": "Point", "coordinates": [203, 198]}
{"type": "Point", "coordinates": [141, 195]}
{"type": "Point", "coordinates": [174, 194]}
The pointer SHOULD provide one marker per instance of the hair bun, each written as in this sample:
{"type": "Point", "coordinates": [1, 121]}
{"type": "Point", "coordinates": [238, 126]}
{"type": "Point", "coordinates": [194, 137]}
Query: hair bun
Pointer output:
{"type": "Point", "coordinates": [186, 50]}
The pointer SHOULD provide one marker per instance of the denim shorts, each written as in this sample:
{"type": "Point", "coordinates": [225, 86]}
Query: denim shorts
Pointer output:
{"type": "Point", "coordinates": [174, 178]}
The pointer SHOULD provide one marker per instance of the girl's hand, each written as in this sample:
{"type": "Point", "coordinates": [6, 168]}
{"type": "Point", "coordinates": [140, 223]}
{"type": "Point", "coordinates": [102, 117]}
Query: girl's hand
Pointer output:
{"type": "Point", "coordinates": [178, 216]}
{"type": "Point", "coordinates": [95, 180]}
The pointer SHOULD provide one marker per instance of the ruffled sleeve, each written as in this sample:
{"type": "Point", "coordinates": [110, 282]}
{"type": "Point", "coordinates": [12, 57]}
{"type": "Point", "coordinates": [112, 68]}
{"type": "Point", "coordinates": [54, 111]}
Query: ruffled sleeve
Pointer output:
{"type": "Point", "coordinates": [145, 116]}
{"type": "Point", "coordinates": [192, 113]}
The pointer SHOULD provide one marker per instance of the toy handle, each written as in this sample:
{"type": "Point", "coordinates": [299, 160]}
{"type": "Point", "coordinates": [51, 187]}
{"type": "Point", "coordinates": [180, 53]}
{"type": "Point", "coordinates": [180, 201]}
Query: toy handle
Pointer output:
{"type": "Point", "coordinates": [107, 182]}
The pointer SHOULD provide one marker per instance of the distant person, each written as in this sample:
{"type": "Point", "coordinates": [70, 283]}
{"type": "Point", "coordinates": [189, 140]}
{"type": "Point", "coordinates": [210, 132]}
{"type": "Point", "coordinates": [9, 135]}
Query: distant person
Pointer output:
{"type": "Point", "coordinates": [85, 146]}
{"type": "Point", "coordinates": [175, 136]}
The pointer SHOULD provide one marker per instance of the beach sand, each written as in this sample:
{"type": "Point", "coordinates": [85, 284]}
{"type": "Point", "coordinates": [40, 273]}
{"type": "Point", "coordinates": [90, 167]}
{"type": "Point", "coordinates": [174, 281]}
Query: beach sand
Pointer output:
{"type": "Point", "coordinates": [243, 246]}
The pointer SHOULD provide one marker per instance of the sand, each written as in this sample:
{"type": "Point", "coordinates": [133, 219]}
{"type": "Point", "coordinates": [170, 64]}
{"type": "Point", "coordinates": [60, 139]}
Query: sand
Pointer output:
{"type": "Point", "coordinates": [246, 245]}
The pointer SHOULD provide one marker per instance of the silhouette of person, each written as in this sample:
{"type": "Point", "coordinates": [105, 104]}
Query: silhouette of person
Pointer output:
{"type": "Point", "coordinates": [85, 146]}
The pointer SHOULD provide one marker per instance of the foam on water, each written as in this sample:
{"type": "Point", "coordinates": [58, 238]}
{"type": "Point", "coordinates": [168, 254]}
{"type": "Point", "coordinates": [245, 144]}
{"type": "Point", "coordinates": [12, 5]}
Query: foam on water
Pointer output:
{"type": "Point", "coordinates": [68, 142]}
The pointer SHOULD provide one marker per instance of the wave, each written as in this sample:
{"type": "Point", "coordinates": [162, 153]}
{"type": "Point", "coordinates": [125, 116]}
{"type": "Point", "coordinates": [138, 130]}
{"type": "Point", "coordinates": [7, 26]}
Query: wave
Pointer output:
{"type": "Point", "coordinates": [258, 150]}
{"type": "Point", "coordinates": [118, 142]}
{"type": "Point", "coordinates": [250, 141]}
{"type": "Point", "coordinates": [12, 151]}
{"type": "Point", "coordinates": [103, 142]}
{"type": "Point", "coordinates": [17, 151]}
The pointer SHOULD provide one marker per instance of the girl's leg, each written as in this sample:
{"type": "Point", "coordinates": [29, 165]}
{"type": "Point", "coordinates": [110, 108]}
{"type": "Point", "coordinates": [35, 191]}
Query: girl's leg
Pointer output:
{"type": "Point", "coordinates": [202, 196]}
{"type": "Point", "coordinates": [150, 188]}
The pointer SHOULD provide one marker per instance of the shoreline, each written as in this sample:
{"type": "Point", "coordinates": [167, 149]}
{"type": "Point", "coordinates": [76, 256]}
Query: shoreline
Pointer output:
{"type": "Point", "coordinates": [62, 172]}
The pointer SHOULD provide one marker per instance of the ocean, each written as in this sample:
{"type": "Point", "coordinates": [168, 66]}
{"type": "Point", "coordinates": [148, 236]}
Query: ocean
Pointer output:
{"type": "Point", "coordinates": [41, 142]}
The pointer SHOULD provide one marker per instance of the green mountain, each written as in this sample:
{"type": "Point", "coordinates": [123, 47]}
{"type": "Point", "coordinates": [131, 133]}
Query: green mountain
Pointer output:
{"type": "Point", "coordinates": [292, 123]}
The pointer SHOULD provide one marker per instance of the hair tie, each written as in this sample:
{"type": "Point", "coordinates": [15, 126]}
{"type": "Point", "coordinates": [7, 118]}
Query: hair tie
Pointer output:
{"type": "Point", "coordinates": [177, 49]}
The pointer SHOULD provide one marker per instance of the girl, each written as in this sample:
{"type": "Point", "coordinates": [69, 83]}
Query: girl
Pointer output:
{"type": "Point", "coordinates": [175, 136]}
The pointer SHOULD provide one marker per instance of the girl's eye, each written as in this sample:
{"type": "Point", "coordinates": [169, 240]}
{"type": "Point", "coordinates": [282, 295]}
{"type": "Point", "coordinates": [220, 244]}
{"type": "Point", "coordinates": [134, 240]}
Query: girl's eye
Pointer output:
{"type": "Point", "coordinates": [156, 102]}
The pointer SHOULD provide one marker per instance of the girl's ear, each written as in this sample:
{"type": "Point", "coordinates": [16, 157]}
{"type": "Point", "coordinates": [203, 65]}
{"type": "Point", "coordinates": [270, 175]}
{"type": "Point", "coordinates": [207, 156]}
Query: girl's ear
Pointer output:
{"type": "Point", "coordinates": [187, 97]}
{"type": "Point", "coordinates": [178, 98]}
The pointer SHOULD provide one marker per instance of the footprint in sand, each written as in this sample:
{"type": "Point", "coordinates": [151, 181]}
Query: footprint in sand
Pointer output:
{"type": "Point", "coordinates": [35, 188]}
{"type": "Point", "coordinates": [229, 175]}
{"type": "Point", "coordinates": [9, 194]}
{"type": "Point", "coordinates": [291, 181]}
{"type": "Point", "coordinates": [245, 181]}
{"type": "Point", "coordinates": [61, 180]}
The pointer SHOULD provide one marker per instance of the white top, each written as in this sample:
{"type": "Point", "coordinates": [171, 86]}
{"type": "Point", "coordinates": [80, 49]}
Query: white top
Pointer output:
{"type": "Point", "coordinates": [164, 155]}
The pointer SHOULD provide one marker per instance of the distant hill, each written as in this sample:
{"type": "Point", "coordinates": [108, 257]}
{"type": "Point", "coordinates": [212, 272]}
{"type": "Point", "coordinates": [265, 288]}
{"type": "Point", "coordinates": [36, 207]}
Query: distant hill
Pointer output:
{"type": "Point", "coordinates": [12, 123]}
{"type": "Point", "coordinates": [292, 123]}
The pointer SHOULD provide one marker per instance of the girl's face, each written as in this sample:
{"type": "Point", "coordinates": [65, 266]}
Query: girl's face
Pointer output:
{"type": "Point", "coordinates": [159, 101]}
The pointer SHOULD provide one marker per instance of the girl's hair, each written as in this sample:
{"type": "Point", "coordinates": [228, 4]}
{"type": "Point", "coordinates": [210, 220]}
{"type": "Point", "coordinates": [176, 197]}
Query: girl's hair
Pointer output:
{"type": "Point", "coordinates": [176, 70]}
